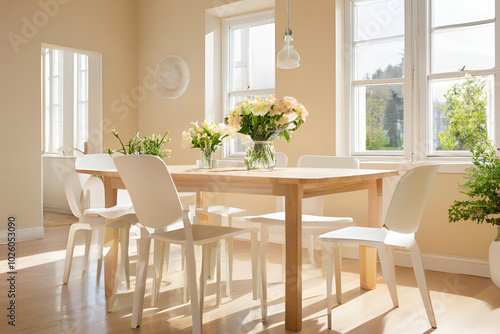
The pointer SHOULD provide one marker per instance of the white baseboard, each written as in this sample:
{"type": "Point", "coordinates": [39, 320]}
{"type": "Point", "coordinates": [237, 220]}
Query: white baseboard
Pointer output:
{"type": "Point", "coordinates": [23, 234]}
{"type": "Point", "coordinates": [434, 262]}
{"type": "Point", "coordinates": [57, 210]}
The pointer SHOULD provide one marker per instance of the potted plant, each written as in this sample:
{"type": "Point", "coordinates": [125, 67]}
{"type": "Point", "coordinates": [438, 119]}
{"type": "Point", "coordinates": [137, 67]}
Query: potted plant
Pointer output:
{"type": "Point", "coordinates": [208, 138]}
{"type": "Point", "coordinates": [482, 185]}
{"type": "Point", "coordinates": [148, 145]}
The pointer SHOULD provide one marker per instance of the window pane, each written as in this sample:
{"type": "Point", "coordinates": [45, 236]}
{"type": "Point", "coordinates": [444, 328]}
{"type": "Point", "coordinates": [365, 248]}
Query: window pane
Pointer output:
{"type": "Point", "coordinates": [465, 112]}
{"type": "Point", "coordinates": [447, 12]}
{"type": "Point", "coordinates": [380, 117]}
{"type": "Point", "coordinates": [252, 57]}
{"type": "Point", "coordinates": [378, 19]}
{"type": "Point", "coordinates": [473, 47]}
{"type": "Point", "coordinates": [379, 60]}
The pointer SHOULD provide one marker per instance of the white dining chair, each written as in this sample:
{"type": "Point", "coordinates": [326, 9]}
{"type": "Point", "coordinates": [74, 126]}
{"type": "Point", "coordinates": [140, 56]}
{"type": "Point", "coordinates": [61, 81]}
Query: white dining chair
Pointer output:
{"type": "Point", "coordinates": [94, 219]}
{"type": "Point", "coordinates": [313, 221]}
{"type": "Point", "coordinates": [402, 221]}
{"type": "Point", "coordinates": [157, 206]}
{"type": "Point", "coordinates": [223, 215]}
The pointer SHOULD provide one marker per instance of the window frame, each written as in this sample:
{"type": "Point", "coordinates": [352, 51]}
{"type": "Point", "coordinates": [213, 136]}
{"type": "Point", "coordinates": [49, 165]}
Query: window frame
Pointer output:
{"type": "Point", "coordinates": [417, 112]}
{"type": "Point", "coordinates": [239, 21]}
{"type": "Point", "coordinates": [94, 99]}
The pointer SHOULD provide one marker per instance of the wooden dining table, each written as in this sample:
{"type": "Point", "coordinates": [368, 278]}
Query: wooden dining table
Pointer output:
{"type": "Point", "coordinates": [292, 183]}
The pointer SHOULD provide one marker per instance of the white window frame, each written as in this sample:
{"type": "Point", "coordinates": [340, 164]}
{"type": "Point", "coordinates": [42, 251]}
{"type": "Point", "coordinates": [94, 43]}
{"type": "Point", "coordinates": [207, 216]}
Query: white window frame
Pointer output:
{"type": "Point", "coordinates": [417, 112]}
{"type": "Point", "coordinates": [240, 21]}
{"type": "Point", "coordinates": [70, 97]}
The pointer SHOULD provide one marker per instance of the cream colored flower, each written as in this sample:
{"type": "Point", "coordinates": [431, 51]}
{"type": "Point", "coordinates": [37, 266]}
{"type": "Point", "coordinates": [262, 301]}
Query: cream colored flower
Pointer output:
{"type": "Point", "coordinates": [302, 111]}
{"type": "Point", "coordinates": [290, 102]}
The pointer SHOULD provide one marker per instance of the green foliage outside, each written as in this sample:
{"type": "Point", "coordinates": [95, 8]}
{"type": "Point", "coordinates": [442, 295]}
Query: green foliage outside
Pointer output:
{"type": "Point", "coordinates": [465, 109]}
{"type": "Point", "coordinates": [384, 111]}
{"type": "Point", "coordinates": [482, 186]}
{"type": "Point", "coordinates": [147, 145]}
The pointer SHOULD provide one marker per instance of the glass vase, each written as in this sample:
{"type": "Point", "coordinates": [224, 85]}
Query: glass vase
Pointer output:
{"type": "Point", "coordinates": [206, 159]}
{"type": "Point", "coordinates": [260, 154]}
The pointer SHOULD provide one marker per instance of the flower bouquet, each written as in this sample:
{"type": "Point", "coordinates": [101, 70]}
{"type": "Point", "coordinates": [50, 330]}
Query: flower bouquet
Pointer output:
{"type": "Point", "coordinates": [208, 138]}
{"type": "Point", "coordinates": [147, 145]}
{"type": "Point", "coordinates": [264, 121]}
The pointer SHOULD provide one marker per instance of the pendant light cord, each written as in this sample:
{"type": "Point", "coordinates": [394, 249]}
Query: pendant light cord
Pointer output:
{"type": "Point", "coordinates": [288, 13]}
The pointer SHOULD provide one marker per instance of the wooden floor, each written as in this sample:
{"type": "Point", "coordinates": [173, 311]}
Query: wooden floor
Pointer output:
{"type": "Point", "coordinates": [463, 304]}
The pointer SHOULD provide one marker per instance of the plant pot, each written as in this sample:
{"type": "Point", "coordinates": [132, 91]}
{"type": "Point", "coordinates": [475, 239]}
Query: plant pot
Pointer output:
{"type": "Point", "coordinates": [494, 259]}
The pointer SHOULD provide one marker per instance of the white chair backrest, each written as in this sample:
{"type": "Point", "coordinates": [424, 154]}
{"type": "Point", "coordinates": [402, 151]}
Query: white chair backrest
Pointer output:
{"type": "Point", "coordinates": [281, 159]}
{"type": "Point", "coordinates": [95, 161]}
{"type": "Point", "coordinates": [153, 193]}
{"type": "Point", "coordinates": [74, 193]}
{"type": "Point", "coordinates": [409, 198]}
{"type": "Point", "coordinates": [314, 205]}
{"type": "Point", "coordinates": [83, 191]}
{"type": "Point", "coordinates": [325, 161]}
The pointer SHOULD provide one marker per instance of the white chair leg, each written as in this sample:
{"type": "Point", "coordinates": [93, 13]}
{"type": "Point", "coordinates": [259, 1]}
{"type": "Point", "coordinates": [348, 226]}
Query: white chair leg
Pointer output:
{"type": "Point", "coordinates": [263, 269]}
{"type": "Point", "coordinates": [69, 251]}
{"type": "Point", "coordinates": [166, 258]}
{"type": "Point", "coordinates": [196, 305]}
{"type": "Point", "coordinates": [418, 268]}
{"type": "Point", "coordinates": [255, 264]}
{"type": "Point", "coordinates": [389, 275]}
{"type": "Point", "coordinates": [159, 252]}
{"type": "Point", "coordinates": [337, 258]}
{"type": "Point", "coordinates": [218, 300]}
{"type": "Point", "coordinates": [185, 288]}
{"type": "Point", "coordinates": [140, 284]}
{"type": "Point", "coordinates": [326, 256]}
{"type": "Point", "coordinates": [100, 248]}
{"type": "Point", "coordinates": [229, 258]}
{"type": "Point", "coordinates": [310, 250]}
{"type": "Point", "coordinates": [88, 239]}
{"type": "Point", "coordinates": [229, 265]}
{"type": "Point", "coordinates": [124, 257]}
{"type": "Point", "coordinates": [205, 271]}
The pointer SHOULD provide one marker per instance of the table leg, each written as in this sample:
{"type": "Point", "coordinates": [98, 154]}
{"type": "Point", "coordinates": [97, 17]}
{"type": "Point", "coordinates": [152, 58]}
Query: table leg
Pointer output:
{"type": "Point", "coordinates": [368, 255]}
{"type": "Point", "coordinates": [110, 264]}
{"type": "Point", "coordinates": [293, 242]}
{"type": "Point", "coordinates": [110, 247]}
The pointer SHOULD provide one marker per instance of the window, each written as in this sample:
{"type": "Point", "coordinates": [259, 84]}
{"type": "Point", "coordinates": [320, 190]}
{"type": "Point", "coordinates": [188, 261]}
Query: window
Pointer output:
{"type": "Point", "coordinates": [249, 62]}
{"type": "Point", "coordinates": [65, 101]}
{"type": "Point", "coordinates": [403, 56]}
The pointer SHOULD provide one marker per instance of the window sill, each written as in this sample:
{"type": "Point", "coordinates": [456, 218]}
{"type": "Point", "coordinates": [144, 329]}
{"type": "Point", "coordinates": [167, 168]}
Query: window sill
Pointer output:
{"type": "Point", "coordinates": [56, 156]}
{"type": "Point", "coordinates": [447, 167]}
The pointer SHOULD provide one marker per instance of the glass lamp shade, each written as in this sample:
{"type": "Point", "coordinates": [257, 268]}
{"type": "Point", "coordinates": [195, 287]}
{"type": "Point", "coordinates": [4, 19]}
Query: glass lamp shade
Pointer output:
{"type": "Point", "coordinates": [288, 58]}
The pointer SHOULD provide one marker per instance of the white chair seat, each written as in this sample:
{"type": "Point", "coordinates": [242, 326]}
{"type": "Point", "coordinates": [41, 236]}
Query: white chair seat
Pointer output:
{"type": "Point", "coordinates": [310, 221]}
{"type": "Point", "coordinates": [225, 210]}
{"type": "Point", "coordinates": [202, 234]}
{"type": "Point", "coordinates": [356, 234]}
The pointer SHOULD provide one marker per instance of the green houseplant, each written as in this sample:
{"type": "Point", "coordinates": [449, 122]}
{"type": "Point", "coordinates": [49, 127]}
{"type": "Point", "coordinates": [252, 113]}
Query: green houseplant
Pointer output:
{"type": "Point", "coordinates": [482, 186]}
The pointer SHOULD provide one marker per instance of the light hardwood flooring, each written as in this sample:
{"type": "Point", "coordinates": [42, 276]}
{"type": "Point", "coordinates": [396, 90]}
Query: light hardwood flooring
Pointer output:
{"type": "Point", "coordinates": [463, 304]}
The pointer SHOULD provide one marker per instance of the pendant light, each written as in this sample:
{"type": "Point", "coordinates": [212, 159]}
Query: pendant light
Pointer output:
{"type": "Point", "coordinates": [288, 58]}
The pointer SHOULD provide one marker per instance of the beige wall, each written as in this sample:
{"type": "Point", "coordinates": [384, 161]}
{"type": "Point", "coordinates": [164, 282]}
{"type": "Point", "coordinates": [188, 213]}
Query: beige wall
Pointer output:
{"type": "Point", "coordinates": [109, 27]}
